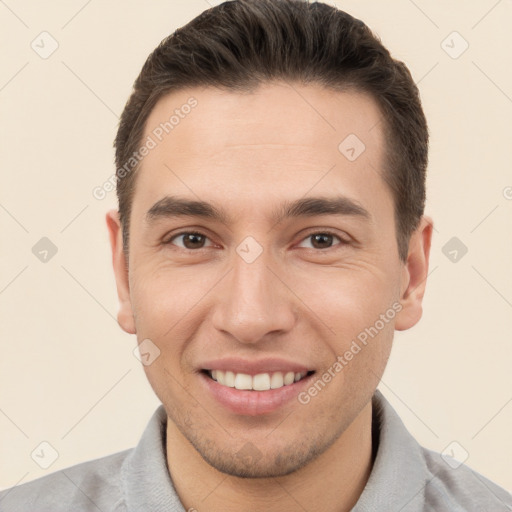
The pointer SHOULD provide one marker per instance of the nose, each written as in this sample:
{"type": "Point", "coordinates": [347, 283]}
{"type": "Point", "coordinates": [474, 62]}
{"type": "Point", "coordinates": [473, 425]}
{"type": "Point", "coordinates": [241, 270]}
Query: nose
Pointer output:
{"type": "Point", "coordinates": [253, 302]}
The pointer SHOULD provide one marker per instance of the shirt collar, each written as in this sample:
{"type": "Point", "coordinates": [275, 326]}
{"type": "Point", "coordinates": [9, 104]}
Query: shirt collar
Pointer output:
{"type": "Point", "coordinates": [399, 474]}
{"type": "Point", "coordinates": [145, 477]}
{"type": "Point", "coordinates": [397, 480]}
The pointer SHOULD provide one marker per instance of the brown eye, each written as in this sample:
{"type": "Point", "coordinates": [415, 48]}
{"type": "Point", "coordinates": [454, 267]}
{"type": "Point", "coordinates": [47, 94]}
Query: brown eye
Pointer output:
{"type": "Point", "coordinates": [323, 240]}
{"type": "Point", "coordinates": [190, 240]}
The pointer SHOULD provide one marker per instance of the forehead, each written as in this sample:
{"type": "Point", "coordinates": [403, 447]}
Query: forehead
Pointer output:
{"type": "Point", "coordinates": [280, 140]}
{"type": "Point", "coordinates": [274, 113]}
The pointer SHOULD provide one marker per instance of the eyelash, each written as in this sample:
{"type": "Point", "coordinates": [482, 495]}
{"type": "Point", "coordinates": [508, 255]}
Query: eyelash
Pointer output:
{"type": "Point", "coordinates": [326, 232]}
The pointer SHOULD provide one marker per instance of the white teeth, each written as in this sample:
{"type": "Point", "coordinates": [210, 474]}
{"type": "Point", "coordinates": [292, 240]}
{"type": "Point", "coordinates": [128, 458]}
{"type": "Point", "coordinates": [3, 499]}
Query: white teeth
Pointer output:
{"type": "Point", "coordinates": [220, 377]}
{"type": "Point", "coordinates": [243, 381]}
{"type": "Point", "coordinates": [259, 382]}
{"type": "Point", "coordinates": [276, 381]}
{"type": "Point", "coordinates": [289, 378]}
{"type": "Point", "coordinates": [229, 379]}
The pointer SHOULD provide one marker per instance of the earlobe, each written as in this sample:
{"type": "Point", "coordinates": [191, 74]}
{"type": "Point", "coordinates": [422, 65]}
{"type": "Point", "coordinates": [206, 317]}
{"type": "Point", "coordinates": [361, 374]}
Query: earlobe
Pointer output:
{"type": "Point", "coordinates": [125, 315]}
{"type": "Point", "coordinates": [414, 276]}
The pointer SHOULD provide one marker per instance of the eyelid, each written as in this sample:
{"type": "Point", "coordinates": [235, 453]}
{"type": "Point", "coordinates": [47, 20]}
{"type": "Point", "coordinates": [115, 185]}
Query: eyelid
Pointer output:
{"type": "Point", "coordinates": [343, 241]}
{"type": "Point", "coordinates": [169, 240]}
{"type": "Point", "coordinates": [316, 231]}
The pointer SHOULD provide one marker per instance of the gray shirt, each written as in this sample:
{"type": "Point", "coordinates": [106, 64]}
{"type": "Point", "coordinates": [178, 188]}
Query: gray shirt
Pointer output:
{"type": "Point", "coordinates": [405, 478]}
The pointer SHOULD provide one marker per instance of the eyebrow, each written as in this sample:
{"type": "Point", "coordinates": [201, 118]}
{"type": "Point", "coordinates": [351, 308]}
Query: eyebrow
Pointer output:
{"type": "Point", "coordinates": [174, 207]}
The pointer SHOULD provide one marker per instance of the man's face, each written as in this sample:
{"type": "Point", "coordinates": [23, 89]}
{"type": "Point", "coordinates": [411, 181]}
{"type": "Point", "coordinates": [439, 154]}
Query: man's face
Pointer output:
{"type": "Point", "coordinates": [256, 294]}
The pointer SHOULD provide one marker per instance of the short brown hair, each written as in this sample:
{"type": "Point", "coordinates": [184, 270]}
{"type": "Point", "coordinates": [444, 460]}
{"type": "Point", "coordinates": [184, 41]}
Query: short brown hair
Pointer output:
{"type": "Point", "coordinates": [240, 44]}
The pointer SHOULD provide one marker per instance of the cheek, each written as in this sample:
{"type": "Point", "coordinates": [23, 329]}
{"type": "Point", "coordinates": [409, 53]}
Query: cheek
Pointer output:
{"type": "Point", "coordinates": [349, 300]}
{"type": "Point", "coordinates": [357, 304]}
{"type": "Point", "coordinates": [162, 298]}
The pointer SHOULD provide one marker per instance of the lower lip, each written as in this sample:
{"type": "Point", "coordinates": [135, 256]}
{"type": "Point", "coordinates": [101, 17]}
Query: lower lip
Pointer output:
{"type": "Point", "coordinates": [253, 403]}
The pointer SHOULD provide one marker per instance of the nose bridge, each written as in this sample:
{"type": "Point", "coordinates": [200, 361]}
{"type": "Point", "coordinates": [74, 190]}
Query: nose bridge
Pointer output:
{"type": "Point", "coordinates": [253, 302]}
{"type": "Point", "coordinates": [250, 283]}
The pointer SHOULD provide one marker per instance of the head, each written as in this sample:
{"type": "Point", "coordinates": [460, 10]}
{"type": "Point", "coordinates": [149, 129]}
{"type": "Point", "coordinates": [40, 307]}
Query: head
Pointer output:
{"type": "Point", "coordinates": [285, 136]}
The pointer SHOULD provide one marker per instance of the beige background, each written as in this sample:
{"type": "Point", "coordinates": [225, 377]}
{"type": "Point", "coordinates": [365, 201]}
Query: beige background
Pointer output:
{"type": "Point", "coordinates": [67, 372]}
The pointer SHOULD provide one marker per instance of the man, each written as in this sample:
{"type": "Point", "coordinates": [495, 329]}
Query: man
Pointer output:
{"type": "Point", "coordinates": [270, 239]}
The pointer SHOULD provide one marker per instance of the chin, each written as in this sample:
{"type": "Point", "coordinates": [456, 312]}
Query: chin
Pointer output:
{"type": "Point", "coordinates": [255, 461]}
{"type": "Point", "coordinates": [263, 467]}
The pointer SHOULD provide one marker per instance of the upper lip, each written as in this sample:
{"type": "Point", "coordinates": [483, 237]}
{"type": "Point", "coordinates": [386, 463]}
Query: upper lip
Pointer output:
{"type": "Point", "coordinates": [253, 367]}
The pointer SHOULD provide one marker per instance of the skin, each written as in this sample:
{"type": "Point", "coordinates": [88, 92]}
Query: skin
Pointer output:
{"type": "Point", "coordinates": [247, 153]}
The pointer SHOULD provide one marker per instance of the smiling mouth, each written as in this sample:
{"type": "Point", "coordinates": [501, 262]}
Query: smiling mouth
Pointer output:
{"type": "Point", "coordinates": [258, 382]}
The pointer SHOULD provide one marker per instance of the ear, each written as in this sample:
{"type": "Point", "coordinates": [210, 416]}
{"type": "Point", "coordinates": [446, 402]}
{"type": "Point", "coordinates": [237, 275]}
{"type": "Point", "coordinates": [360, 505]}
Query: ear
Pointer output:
{"type": "Point", "coordinates": [125, 316]}
{"type": "Point", "coordinates": [414, 276]}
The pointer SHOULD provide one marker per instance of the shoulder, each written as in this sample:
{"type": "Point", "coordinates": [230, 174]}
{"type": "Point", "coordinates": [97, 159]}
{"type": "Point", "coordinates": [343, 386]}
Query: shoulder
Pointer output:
{"type": "Point", "coordinates": [455, 486]}
{"type": "Point", "coordinates": [91, 485]}
{"type": "Point", "coordinates": [415, 478]}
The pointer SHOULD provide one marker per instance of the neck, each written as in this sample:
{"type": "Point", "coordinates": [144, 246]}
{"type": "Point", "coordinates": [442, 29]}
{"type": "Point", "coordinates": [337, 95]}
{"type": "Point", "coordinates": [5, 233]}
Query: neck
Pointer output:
{"type": "Point", "coordinates": [333, 482]}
